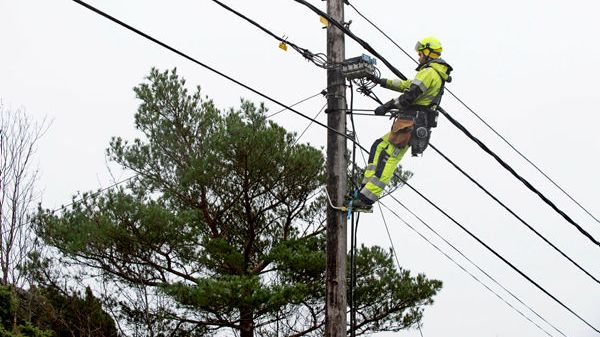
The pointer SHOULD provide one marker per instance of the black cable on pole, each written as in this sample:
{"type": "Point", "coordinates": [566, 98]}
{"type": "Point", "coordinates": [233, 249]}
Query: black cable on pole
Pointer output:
{"type": "Point", "coordinates": [164, 45]}
{"type": "Point", "coordinates": [368, 47]}
{"type": "Point", "coordinates": [353, 37]}
{"type": "Point", "coordinates": [474, 264]}
{"type": "Point", "coordinates": [516, 175]}
{"type": "Point", "coordinates": [482, 120]}
{"type": "Point", "coordinates": [452, 120]}
{"type": "Point", "coordinates": [490, 249]}
{"type": "Point", "coordinates": [468, 272]}
{"type": "Point", "coordinates": [512, 212]}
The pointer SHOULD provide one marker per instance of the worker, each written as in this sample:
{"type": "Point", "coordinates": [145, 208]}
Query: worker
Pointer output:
{"type": "Point", "coordinates": [415, 114]}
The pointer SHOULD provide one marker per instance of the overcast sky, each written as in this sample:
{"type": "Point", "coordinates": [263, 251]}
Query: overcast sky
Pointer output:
{"type": "Point", "coordinates": [527, 67]}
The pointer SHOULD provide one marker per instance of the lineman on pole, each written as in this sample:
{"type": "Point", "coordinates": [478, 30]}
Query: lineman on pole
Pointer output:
{"type": "Point", "coordinates": [415, 114]}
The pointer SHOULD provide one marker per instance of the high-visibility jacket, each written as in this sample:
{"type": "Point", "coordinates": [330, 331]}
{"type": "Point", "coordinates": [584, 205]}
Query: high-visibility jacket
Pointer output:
{"type": "Point", "coordinates": [426, 88]}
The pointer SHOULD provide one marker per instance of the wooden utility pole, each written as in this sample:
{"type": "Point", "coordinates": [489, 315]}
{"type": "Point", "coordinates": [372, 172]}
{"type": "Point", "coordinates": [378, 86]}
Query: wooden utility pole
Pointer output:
{"type": "Point", "coordinates": [335, 307]}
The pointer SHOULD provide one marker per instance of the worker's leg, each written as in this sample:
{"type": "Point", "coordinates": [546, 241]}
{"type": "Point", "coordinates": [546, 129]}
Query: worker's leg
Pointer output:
{"type": "Point", "coordinates": [383, 159]}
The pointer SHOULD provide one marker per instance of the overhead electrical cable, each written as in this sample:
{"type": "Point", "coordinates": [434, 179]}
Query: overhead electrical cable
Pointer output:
{"type": "Point", "coordinates": [317, 122]}
{"type": "Point", "coordinates": [498, 255]}
{"type": "Point", "coordinates": [311, 122]}
{"type": "Point", "coordinates": [527, 159]}
{"type": "Point", "coordinates": [322, 92]}
{"type": "Point", "coordinates": [176, 51]}
{"type": "Point", "coordinates": [468, 272]}
{"type": "Point", "coordinates": [318, 59]}
{"type": "Point", "coordinates": [397, 72]}
{"type": "Point", "coordinates": [474, 264]}
{"type": "Point", "coordinates": [482, 120]}
{"type": "Point", "coordinates": [509, 210]}
{"type": "Point", "coordinates": [519, 177]}
{"type": "Point", "coordinates": [91, 195]}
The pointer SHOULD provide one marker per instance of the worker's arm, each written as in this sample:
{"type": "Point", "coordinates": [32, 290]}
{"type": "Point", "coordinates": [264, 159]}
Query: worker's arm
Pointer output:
{"type": "Point", "coordinates": [403, 101]}
{"type": "Point", "coordinates": [397, 85]}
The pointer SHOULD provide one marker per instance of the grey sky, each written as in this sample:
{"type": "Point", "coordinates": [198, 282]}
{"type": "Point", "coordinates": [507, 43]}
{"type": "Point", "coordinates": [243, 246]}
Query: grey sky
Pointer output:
{"type": "Point", "coordinates": [527, 67]}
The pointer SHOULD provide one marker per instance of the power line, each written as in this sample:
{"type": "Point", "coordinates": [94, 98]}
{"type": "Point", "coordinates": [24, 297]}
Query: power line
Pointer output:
{"type": "Point", "coordinates": [62, 207]}
{"type": "Point", "coordinates": [352, 36]}
{"type": "Point", "coordinates": [473, 263]}
{"type": "Point", "coordinates": [176, 51]}
{"type": "Point", "coordinates": [322, 92]}
{"type": "Point", "coordinates": [311, 122]}
{"type": "Point", "coordinates": [526, 159]}
{"type": "Point", "coordinates": [482, 120]}
{"type": "Point", "coordinates": [452, 120]}
{"type": "Point", "coordinates": [318, 59]}
{"type": "Point", "coordinates": [468, 272]}
{"type": "Point", "coordinates": [460, 252]}
{"type": "Point", "coordinates": [512, 213]}
{"type": "Point", "coordinates": [519, 177]}
{"type": "Point", "coordinates": [490, 249]}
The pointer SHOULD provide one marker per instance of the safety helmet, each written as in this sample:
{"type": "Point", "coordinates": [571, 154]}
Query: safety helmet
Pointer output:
{"type": "Point", "coordinates": [430, 47]}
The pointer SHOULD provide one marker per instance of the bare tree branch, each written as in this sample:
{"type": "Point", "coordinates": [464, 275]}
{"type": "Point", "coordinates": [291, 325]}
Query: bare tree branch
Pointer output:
{"type": "Point", "coordinates": [19, 137]}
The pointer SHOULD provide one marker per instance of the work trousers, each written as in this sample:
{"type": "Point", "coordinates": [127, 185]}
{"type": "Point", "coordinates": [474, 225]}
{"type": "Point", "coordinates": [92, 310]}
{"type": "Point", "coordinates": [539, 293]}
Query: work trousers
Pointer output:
{"type": "Point", "coordinates": [383, 159]}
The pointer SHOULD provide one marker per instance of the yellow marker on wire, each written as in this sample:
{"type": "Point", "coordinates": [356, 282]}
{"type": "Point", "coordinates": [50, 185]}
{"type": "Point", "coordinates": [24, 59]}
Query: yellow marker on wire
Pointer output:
{"type": "Point", "coordinates": [283, 46]}
{"type": "Point", "coordinates": [324, 21]}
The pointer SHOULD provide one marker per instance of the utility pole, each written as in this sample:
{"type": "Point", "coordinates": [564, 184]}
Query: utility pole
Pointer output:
{"type": "Point", "coordinates": [335, 307]}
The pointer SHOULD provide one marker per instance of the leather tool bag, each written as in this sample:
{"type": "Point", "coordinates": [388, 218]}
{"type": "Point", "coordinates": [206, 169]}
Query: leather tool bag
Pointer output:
{"type": "Point", "coordinates": [401, 131]}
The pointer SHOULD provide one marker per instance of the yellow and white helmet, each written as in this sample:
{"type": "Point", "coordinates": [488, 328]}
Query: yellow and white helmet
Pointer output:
{"type": "Point", "coordinates": [430, 47]}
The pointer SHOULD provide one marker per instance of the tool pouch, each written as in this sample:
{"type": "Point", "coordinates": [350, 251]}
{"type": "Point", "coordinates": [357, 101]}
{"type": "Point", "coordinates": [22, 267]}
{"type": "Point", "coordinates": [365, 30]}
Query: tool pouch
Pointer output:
{"type": "Point", "coordinates": [401, 132]}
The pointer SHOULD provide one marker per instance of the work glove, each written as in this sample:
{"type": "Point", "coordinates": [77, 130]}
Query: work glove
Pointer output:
{"type": "Point", "coordinates": [382, 109]}
{"type": "Point", "coordinates": [375, 79]}
{"type": "Point", "coordinates": [398, 103]}
{"type": "Point", "coordinates": [401, 102]}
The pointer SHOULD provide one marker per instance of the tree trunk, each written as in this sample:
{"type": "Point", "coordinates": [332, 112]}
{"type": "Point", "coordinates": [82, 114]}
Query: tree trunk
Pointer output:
{"type": "Point", "coordinates": [246, 322]}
